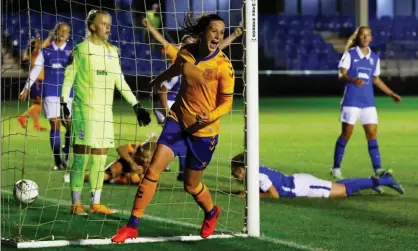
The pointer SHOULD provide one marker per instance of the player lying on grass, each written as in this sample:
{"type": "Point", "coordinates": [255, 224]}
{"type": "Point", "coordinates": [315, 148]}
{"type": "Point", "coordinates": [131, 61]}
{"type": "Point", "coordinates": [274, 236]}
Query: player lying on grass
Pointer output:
{"type": "Point", "coordinates": [274, 184]}
{"type": "Point", "coordinates": [129, 168]}
{"type": "Point", "coordinates": [192, 128]}
{"type": "Point", "coordinates": [360, 70]}
{"type": "Point", "coordinates": [95, 71]}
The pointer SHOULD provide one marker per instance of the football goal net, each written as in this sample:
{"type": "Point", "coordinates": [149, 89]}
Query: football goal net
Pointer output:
{"type": "Point", "coordinates": [26, 148]}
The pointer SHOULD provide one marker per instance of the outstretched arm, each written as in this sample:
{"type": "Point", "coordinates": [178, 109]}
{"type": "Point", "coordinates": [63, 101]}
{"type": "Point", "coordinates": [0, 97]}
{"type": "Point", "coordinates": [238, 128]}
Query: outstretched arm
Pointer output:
{"type": "Point", "coordinates": [173, 71]}
{"type": "Point", "coordinates": [33, 75]}
{"type": "Point", "coordinates": [155, 33]}
{"type": "Point", "coordinates": [227, 41]}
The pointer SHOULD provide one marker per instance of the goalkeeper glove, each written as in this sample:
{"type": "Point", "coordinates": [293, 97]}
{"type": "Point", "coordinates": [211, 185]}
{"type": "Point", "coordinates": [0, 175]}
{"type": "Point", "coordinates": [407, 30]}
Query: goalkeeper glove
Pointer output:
{"type": "Point", "coordinates": [142, 115]}
{"type": "Point", "coordinates": [65, 113]}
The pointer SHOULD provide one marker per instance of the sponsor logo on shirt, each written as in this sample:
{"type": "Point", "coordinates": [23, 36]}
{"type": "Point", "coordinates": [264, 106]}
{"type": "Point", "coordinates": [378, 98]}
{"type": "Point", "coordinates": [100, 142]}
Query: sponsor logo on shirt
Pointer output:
{"type": "Point", "coordinates": [56, 66]}
{"type": "Point", "coordinates": [101, 72]}
{"type": "Point", "coordinates": [345, 116]}
{"type": "Point", "coordinates": [363, 75]}
{"type": "Point", "coordinates": [81, 134]}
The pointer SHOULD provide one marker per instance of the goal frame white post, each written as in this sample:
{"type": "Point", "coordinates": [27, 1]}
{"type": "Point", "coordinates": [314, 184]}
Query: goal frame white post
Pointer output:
{"type": "Point", "coordinates": [251, 118]}
{"type": "Point", "coordinates": [252, 210]}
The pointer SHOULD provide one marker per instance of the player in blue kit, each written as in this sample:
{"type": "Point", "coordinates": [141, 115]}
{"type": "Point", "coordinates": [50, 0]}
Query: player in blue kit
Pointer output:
{"type": "Point", "coordinates": [53, 59]}
{"type": "Point", "coordinates": [274, 184]}
{"type": "Point", "coordinates": [359, 69]}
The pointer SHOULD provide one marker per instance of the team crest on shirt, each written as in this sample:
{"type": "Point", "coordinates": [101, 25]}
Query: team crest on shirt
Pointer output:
{"type": "Point", "coordinates": [208, 74]}
{"type": "Point", "coordinates": [371, 61]}
{"type": "Point", "coordinates": [67, 53]}
{"type": "Point", "coordinates": [81, 134]}
{"type": "Point", "coordinates": [345, 115]}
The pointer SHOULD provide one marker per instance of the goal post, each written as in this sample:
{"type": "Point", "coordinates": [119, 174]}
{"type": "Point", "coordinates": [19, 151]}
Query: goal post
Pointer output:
{"type": "Point", "coordinates": [173, 214]}
{"type": "Point", "coordinates": [251, 121]}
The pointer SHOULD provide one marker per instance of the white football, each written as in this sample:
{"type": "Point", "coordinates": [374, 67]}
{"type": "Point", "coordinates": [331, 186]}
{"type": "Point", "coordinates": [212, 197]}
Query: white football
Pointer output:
{"type": "Point", "coordinates": [25, 191]}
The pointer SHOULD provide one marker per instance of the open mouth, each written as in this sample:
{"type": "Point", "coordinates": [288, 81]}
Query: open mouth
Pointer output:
{"type": "Point", "coordinates": [213, 44]}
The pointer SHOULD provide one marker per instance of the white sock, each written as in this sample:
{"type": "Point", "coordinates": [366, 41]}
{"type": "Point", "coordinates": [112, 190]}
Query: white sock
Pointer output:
{"type": "Point", "coordinates": [378, 171]}
{"type": "Point", "coordinates": [336, 172]}
{"type": "Point", "coordinates": [95, 197]}
{"type": "Point", "coordinates": [76, 197]}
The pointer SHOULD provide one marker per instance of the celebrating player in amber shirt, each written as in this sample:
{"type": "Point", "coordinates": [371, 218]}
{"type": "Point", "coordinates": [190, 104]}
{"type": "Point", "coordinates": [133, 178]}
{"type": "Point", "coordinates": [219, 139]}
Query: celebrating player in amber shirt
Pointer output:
{"type": "Point", "coordinates": [193, 125]}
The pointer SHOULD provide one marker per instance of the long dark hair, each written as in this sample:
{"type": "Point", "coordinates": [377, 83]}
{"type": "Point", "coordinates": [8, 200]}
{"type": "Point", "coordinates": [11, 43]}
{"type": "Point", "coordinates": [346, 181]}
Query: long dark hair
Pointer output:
{"type": "Point", "coordinates": [197, 28]}
{"type": "Point", "coordinates": [238, 161]}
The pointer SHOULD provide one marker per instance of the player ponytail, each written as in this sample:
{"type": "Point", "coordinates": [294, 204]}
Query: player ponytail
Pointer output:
{"type": "Point", "coordinates": [90, 20]}
{"type": "Point", "coordinates": [196, 29]}
{"type": "Point", "coordinates": [187, 39]}
{"type": "Point", "coordinates": [353, 39]}
{"type": "Point", "coordinates": [149, 147]}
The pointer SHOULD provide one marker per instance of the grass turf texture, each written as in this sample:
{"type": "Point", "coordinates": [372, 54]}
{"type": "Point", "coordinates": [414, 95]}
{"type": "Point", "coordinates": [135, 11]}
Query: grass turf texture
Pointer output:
{"type": "Point", "coordinates": [296, 135]}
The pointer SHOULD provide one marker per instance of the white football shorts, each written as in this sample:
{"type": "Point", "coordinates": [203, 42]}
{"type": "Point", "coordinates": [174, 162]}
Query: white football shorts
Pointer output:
{"type": "Point", "coordinates": [367, 115]}
{"type": "Point", "coordinates": [52, 107]}
{"type": "Point", "coordinates": [307, 185]}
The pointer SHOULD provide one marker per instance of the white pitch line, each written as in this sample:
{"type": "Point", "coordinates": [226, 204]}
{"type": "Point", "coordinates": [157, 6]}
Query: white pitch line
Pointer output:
{"type": "Point", "coordinates": [150, 217]}
{"type": "Point", "coordinates": [190, 225]}
{"type": "Point", "coordinates": [291, 244]}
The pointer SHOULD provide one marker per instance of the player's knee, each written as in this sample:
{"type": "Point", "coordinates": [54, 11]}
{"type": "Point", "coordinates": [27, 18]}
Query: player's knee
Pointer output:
{"type": "Point", "coordinates": [193, 189]}
{"type": "Point", "coordinates": [338, 191]}
{"type": "Point", "coordinates": [135, 179]}
{"type": "Point", "coordinates": [347, 131]}
{"type": "Point", "coordinates": [346, 134]}
{"type": "Point", "coordinates": [370, 135]}
{"type": "Point", "coordinates": [55, 124]}
{"type": "Point", "coordinates": [152, 174]}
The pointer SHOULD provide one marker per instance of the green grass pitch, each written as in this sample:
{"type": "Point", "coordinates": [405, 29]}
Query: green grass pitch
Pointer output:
{"type": "Point", "coordinates": [296, 135]}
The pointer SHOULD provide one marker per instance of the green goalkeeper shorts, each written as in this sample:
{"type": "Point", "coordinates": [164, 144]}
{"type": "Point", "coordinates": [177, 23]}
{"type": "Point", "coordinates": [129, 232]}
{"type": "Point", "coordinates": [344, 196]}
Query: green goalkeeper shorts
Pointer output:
{"type": "Point", "coordinates": [94, 129]}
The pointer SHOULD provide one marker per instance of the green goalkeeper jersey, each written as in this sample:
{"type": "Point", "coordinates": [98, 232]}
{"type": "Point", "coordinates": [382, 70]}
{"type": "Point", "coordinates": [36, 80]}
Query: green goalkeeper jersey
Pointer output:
{"type": "Point", "coordinates": [95, 71]}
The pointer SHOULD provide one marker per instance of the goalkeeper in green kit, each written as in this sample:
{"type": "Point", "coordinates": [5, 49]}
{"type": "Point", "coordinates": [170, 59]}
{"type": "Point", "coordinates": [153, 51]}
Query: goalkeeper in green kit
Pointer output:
{"type": "Point", "coordinates": [95, 71]}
